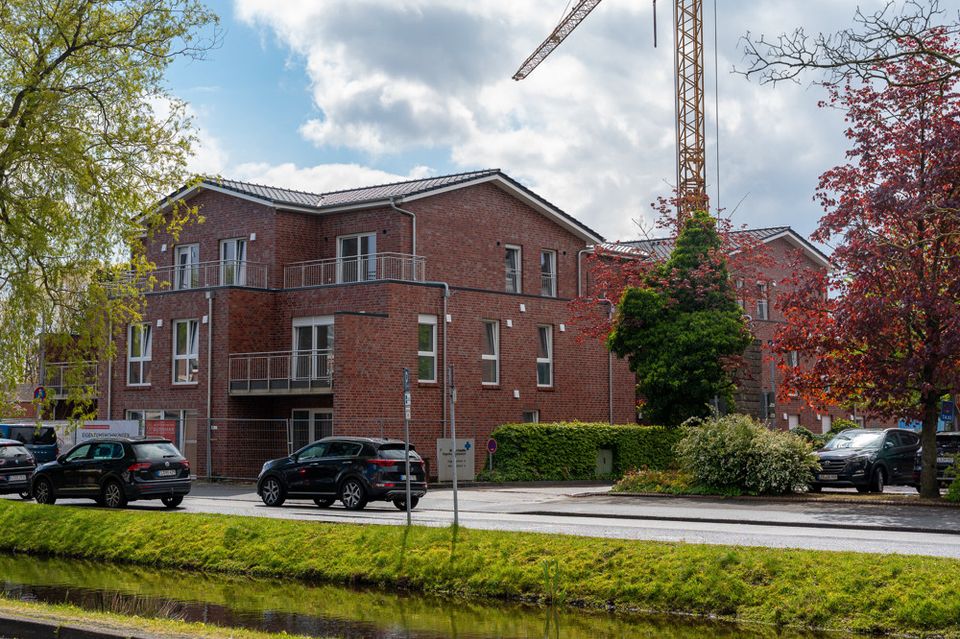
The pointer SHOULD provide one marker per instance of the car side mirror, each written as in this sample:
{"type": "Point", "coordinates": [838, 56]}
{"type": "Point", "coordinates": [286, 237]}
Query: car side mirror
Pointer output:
{"type": "Point", "coordinates": [888, 444]}
{"type": "Point", "coordinates": [62, 459]}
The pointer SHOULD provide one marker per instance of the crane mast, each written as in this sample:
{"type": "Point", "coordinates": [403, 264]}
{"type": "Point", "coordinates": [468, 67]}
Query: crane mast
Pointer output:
{"type": "Point", "coordinates": [691, 154]}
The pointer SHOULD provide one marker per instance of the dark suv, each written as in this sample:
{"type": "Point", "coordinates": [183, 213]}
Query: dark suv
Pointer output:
{"type": "Point", "coordinates": [115, 470]}
{"type": "Point", "coordinates": [16, 467]}
{"type": "Point", "coordinates": [867, 459]}
{"type": "Point", "coordinates": [948, 453]}
{"type": "Point", "coordinates": [354, 470]}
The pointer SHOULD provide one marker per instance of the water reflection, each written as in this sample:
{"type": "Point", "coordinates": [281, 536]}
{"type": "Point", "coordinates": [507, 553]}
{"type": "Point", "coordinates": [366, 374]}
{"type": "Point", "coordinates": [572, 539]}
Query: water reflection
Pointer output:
{"type": "Point", "coordinates": [326, 611]}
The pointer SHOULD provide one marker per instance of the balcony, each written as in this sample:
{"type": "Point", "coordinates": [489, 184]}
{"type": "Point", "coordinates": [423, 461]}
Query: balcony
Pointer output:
{"type": "Point", "coordinates": [363, 268]}
{"type": "Point", "coordinates": [282, 373]}
{"type": "Point", "coordinates": [202, 275]}
{"type": "Point", "coordinates": [60, 378]}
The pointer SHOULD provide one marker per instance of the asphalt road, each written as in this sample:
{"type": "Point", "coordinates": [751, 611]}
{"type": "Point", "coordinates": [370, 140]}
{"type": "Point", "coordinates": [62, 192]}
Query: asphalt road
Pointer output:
{"type": "Point", "coordinates": [568, 510]}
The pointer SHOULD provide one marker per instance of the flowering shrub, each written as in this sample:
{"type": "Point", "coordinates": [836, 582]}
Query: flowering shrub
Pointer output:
{"type": "Point", "coordinates": [737, 453]}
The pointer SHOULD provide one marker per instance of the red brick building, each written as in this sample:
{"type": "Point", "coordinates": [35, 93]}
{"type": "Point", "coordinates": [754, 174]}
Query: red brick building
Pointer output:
{"type": "Point", "coordinates": [302, 307]}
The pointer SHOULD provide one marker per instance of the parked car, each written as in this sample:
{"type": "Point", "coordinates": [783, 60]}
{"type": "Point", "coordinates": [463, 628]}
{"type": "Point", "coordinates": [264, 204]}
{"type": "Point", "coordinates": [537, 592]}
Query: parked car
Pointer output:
{"type": "Point", "coordinates": [115, 470]}
{"type": "Point", "coordinates": [948, 450]}
{"type": "Point", "coordinates": [867, 459]}
{"type": "Point", "coordinates": [40, 441]}
{"type": "Point", "coordinates": [355, 470]}
{"type": "Point", "coordinates": [16, 468]}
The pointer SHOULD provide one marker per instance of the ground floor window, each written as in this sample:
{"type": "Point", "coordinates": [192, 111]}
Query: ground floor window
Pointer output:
{"type": "Point", "coordinates": [160, 423]}
{"type": "Point", "coordinates": [308, 425]}
{"type": "Point", "coordinates": [531, 416]}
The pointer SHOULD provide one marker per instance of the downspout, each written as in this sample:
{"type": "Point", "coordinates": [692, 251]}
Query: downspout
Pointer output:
{"type": "Point", "coordinates": [209, 382]}
{"type": "Point", "coordinates": [446, 296]}
{"type": "Point", "coordinates": [413, 224]}
{"type": "Point", "coordinates": [109, 370]}
{"type": "Point", "coordinates": [579, 269]}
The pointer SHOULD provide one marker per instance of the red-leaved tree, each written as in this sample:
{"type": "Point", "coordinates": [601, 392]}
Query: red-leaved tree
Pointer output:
{"type": "Point", "coordinates": [883, 329]}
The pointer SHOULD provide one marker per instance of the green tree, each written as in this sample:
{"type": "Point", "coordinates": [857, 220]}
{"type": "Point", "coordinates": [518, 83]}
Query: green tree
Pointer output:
{"type": "Point", "coordinates": [682, 328]}
{"type": "Point", "coordinates": [89, 142]}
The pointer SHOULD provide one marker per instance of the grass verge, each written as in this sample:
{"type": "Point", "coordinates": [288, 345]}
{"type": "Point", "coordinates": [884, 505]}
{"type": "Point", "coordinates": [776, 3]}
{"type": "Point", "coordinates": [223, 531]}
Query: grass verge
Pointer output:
{"type": "Point", "coordinates": [842, 591]}
{"type": "Point", "coordinates": [125, 625]}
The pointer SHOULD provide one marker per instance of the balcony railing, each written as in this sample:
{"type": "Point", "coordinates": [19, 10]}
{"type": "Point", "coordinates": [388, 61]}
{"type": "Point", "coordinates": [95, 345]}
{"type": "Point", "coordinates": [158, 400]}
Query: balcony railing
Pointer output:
{"type": "Point", "coordinates": [363, 268]}
{"type": "Point", "coordinates": [283, 372]}
{"type": "Point", "coordinates": [203, 275]}
{"type": "Point", "coordinates": [60, 378]}
{"type": "Point", "coordinates": [548, 284]}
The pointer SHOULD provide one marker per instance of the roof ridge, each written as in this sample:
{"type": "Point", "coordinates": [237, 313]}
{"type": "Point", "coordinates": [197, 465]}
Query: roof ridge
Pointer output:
{"type": "Point", "coordinates": [263, 186]}
{"type": "Point", "coordinates": [785, 227]}
{"type": "Point", "coordinates": [423, 179]}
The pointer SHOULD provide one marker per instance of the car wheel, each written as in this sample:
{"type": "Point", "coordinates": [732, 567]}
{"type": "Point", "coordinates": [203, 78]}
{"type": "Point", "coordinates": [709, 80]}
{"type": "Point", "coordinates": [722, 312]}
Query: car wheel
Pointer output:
{"type": "Point", "coordinates": [876, 484]}
{"type": "Point", "coordinates": [863, 489]}
{"type": "Point", "coordinates": [172, 501]}
{"type": "Point", "coordinates": [401, 504]}
{"type": "Point", "coordinates": [43, 492]}
{"type": "Point", "coordinates": [324, 502]}
{"type": "Point", "coordinates": [111, 495]}
{"type": "Point", "coordinates": [26, 494]}
{"type": "Point", "coordinates": [352, 495]}
{"type": "Point", "coordinates": [814, 488]}
{"type": "Point", "coordinates": [272, 493]}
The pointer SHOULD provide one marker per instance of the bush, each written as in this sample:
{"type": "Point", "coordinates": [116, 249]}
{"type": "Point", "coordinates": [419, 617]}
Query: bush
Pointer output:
{"type": "Point", "coordinates": [953, 490]}
{"type": "Point", "coordinates": [667, 482]}
{"type": "Point", "coordinates": [568, 450]}
{"type": "Point", "coordinates": [736, 452]}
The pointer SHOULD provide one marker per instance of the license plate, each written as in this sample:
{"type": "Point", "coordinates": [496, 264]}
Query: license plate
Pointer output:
{"type": "Point", "coordinates": [944, 460]}
{"type": "Point", "coordinates": [13, 478]}
{"type": "Point", "coordinates": [827, 477]}
{"type": "Point", "coordinates": [166, 473]}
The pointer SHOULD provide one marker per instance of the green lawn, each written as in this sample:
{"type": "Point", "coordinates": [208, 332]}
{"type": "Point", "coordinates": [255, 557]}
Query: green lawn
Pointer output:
{"type": "Point", "coordinates": [789, 587]}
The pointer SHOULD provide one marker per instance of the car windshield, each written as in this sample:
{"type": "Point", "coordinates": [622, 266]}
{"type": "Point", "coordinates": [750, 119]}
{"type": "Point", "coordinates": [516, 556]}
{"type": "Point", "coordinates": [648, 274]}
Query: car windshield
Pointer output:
{"type": "Point", "coordinates": [152, 451]}
{"type": "Point", "coordinates": [857, 441]}
{"type": "Point", "coordinates": [391, 451]}
{"type": "Point", "coordinates": [9, 452]}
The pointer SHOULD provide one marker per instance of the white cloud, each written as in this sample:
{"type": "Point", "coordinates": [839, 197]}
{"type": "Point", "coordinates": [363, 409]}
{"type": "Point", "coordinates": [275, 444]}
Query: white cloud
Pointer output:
{"type": "Point", "coordinates": [592, 129]}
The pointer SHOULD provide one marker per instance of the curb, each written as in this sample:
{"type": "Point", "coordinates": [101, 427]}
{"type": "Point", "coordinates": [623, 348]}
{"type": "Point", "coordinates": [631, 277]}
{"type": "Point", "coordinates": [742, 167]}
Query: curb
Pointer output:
{"type": "Point", "coordinates": [907, 501]}
{"type": "Point", "coordinates": [29, 629]}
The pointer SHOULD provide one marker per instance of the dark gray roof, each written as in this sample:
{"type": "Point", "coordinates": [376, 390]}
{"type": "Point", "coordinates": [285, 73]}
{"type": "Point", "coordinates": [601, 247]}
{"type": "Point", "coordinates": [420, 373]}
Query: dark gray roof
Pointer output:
{"type": "Point", "coordinates": [662, 247]}
{"type": "Point", "coordinates": [281, 197]}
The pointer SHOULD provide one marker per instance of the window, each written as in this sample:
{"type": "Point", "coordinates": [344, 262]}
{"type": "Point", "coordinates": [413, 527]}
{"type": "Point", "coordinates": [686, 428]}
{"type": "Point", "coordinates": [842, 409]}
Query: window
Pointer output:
{"type": "Point", "coordinates": [233, 262]}
{"type": "Point", "coordinates": [739, 294]}
{"type": "Point", "coordinates": [827, 424]}
{"type": "Point", "coordinates": [545, 356]}
{"type": "Point", "coordinates": [793, 422]}
{"type": "Point", "coordinates": [548, 273]}
{"type": "Point", "coordinates": [309, 425]}
{"type": "Point", "coordinates": [312, 351]}
{"type": "Point", "coordinates": [512, 264]}
{"type": "Point", "coordinates": [343, 449]}
{"type": "Point", "coordinates": [357, 260]}
{"type": "Point", "coordinates": [108, 450]}
{"type": "Point", "coordinates": [530, 417]}
{"type": "Point", "coordinates": [312, 452]}
{"type": "Point", "coordinates": [187, 263]}
{"type": "Point", "coordinates": [186, 349]}
{"type": "Point", "coordinates": [490, 359]}
{"type": "Point", "coordinates": [139, 354]}
{"type": "Point", "coordinates": [81, 452]}
{"type": "Point", "coordinates": [762, 303]}
{"type": "Point", "coordinates": [427, 348]}
{"type": "Point", "coordinates": [767, 404]}
{"type": "Point", "coordinates": [793, 359]}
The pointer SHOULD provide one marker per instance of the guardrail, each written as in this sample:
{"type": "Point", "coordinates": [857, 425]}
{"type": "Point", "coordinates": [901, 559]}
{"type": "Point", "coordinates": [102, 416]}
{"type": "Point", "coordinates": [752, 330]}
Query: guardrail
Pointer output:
{"type": "Point", "coordinates": [185, 277]}
{"type": "Point", "coordinates": [281, 372]}
{"type": "Point", "coordinates": [59, 378]}
{"type": "Point", "coordinates": [363, 268]}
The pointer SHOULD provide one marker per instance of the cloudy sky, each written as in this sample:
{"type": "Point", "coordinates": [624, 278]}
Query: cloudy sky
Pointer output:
{"type": "Point", "coordinates": [330, 94]}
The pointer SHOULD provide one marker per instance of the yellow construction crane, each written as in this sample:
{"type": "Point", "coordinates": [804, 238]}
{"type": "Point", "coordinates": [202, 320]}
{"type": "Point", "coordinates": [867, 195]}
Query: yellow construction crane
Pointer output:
{"type": "Point", "coordinates": [688, 26]}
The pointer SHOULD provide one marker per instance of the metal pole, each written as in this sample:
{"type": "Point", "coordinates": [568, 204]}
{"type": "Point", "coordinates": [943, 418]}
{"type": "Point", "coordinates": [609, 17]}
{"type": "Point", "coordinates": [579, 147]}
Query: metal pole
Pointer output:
{"type": "Point", "coordinates": [406, 437]}
{"type": "Point", "coordinates": [453, 434]}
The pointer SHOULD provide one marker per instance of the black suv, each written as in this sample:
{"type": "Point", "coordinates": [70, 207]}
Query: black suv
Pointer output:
{"type": "Point", "coordinates": [354, 470]}
{"type": "Point", "coordinates": [948, 452]}
{"type": "Point", "coordinates": [16, 467]}
{"type": "Point", "coordinates": [868, 459]}
{"type": "Point", "coordinates": [115, 470]}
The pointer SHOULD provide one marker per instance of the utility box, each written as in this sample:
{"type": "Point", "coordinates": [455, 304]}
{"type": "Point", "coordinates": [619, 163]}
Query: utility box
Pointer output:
{"type": "Point", "coordinates": [604, 462]}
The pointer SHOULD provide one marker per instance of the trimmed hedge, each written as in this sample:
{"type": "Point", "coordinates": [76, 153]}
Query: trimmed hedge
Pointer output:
{"type": "Point", "coordinates": [568, 450]}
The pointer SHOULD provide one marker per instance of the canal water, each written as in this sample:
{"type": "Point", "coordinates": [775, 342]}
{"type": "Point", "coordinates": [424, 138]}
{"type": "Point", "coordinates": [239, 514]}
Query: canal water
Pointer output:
{"type": "Point", "coordinates": [327, 611]}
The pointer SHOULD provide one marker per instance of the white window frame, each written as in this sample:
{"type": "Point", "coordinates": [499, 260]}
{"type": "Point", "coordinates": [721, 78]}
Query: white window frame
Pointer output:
{"type": "Point", "coordinates": [427, 320]}
{"type": "Point", "coordinates": [551, 290]}
{"type": "Point", "coordinates": [146, 350]}
{"type": "Point", "coordinates": [534, 413]}
{"type": "Point", "coordinates": [517, 272]}
{"type": "Point", "coordinates": [313, 419]}
{"type": "Point", "coordinates": [549, 358]}
{"type": "Point", "coordinates": [313, 323]}
{"type": "Point", "coordinates": [495, 357]}
{"type": "Point", "coordinates": [185, 274]}
{"type": "Point", "coordinates": [763, 303]}
{"type": "Point", "coordinates": [793, 359]}
{"type": "Point", "coordinates": [239, 272]}
{"type": "Point", "coordinates": [739, 293]}
{"type": "Point", "coordinates": [191, 354]}
{"type": "Point", "coordinates": [366, 269]}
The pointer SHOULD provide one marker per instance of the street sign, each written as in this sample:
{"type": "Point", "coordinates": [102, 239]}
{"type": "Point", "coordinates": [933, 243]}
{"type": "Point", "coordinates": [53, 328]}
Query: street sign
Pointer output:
{"type": "Point", "coordinates": [947, 410]}
{"type": "Point", "coordinates": [491, 445]}
{"type": "Point", "coordinates": [40, 393]}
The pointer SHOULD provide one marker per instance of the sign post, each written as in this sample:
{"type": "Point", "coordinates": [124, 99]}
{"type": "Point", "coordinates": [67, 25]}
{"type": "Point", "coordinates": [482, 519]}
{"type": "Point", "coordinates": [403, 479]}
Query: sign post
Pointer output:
{"type": "Point", "coordinates": [453, 434]}
{"type": "Point", "coordinates": [491, 448]}
{"type": "Point", "coordinates": [406, 437]}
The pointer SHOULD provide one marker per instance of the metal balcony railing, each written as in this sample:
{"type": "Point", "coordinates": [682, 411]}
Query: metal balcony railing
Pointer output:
{"type": "Point", "coordinates": [281, 372]}
{"type": "Point", "coordinates": [363, 268]}
{"type": "Point", "coordinates": [548, 284]}
{"type": "Point", "coordinates": [60, 378]}
{"type": "Point", "coordinates": [203, 275]}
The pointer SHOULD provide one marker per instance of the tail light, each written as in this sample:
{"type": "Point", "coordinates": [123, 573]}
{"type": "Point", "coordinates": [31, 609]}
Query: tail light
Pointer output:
{"type": "Point", "coordinates": [384, 462]}
{"type": "Point", "coordinates": [132, 468]}
{"type": "Point", "coordinates": [186, 464]}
